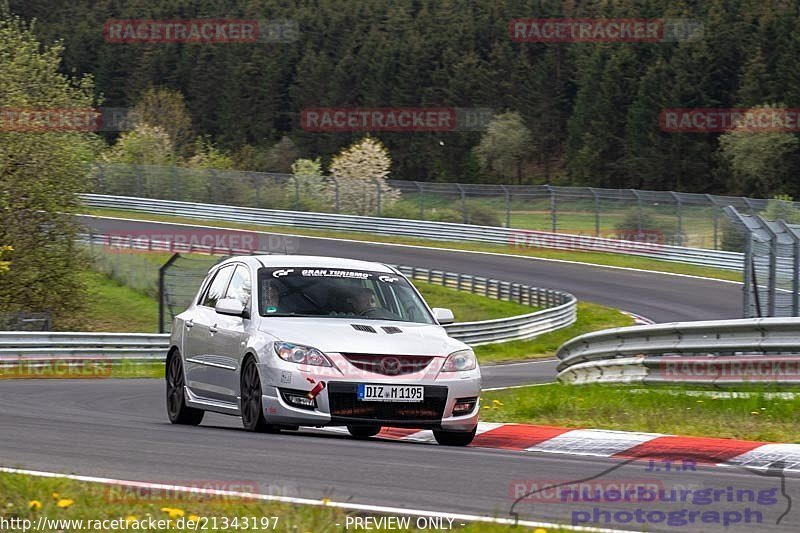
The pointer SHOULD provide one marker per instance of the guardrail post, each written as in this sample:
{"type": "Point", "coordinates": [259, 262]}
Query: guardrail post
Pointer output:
{"type": "Point", "coordinates": [101, 178]}
{"type": "Point", "coordinates": [638, 210]}
{"type": "Point", "coordinates": [507, 195]}
{"type": "Point", "coordinates": [596, 212]}
{"type": "Point", "coordinates": [679, 214]}
{"type": "Point", "coordinates": [553, 209]}
{"type": "Point", "coordinates": [335, 193]}
{"type": "Point", "coordinates": [463, 194]}
{"type": "Point", "coordinates": [162, 271]}
{"type": "Point", "coordinates": [421, 200]}
{"type": "Point", "coordinates": [296, 192]}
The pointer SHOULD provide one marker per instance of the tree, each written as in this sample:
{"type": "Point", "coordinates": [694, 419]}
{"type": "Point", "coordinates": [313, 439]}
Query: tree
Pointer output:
{"type": "Point", "coordinates": [362, 171]}
{"type": "Point", "coordinates": [281, 156]}
{"type": "Point", "coordinates": [760, 162]}
{"type": "Point", "coordinates": [316, 192]}
{"type": "Point", "coordinates": [505, 146]}
{"type": "Point", "coordinates": [41, 174]}
{"type": "Point", "coordinates": [166, 110]}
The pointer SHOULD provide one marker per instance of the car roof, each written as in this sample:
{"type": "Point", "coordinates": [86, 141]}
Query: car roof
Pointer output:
{"type": "Point", "coordinates": [309, 261]}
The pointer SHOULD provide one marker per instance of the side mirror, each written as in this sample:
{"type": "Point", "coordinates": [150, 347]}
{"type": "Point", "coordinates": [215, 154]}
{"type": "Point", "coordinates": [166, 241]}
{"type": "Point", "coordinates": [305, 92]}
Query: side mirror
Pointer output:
{"type": "Point", "coordinates": [230, 306]}
{"type": "Point", "coordinates": [443, 316]}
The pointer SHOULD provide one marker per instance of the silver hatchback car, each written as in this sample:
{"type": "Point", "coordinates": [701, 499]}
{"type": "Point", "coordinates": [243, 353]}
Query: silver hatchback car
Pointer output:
{"type": "Point", "coordinates": [289, 341]}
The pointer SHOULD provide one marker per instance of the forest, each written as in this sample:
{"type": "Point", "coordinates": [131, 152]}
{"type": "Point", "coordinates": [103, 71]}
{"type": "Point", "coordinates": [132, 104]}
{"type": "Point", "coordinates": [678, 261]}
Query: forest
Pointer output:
{"type": "Point", "coordinates": [588, 112]}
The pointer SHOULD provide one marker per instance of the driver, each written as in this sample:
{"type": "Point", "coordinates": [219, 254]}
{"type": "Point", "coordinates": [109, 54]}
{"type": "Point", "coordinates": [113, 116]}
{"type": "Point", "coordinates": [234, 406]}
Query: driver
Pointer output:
{"type": "Point", "coordinates": [362, 300]}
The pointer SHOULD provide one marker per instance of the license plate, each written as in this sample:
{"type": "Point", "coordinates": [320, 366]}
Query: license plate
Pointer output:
{"type": "Point", "coordinates": [390, 393]}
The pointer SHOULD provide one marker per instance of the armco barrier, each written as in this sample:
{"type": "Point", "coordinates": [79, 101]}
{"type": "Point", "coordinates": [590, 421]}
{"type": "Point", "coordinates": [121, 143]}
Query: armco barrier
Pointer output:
{"type": "Point", "coordinates": [559, 308]}
{"type": "Point", "coordinates": [760, 350]}
{"type": "Point", "coordinates": [419, 229]}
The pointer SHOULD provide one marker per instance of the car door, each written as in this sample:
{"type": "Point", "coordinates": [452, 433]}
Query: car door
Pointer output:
{"type": "Point", "coordinates": [230, 338]}
{"type": "Point", "coordinates": [199, 337]}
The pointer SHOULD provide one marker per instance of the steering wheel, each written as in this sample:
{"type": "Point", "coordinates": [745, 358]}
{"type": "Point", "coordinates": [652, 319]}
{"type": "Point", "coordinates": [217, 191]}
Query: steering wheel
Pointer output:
{"type": "Point", "coordinates": [370, 311]}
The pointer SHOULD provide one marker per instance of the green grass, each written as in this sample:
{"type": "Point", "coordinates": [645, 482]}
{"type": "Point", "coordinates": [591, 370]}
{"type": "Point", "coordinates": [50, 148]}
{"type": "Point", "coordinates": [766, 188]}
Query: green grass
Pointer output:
{"type": "Point", "coordinates": [469, 307]}
{"type": "Point", "coordinates": [115, 307]}
{"type": "Point", "coordinates": [655, 409]}
{"type": "Point", "coordinates": [591, 317]}
{"type": "Point", "coordinates": [64, 499]}
{"type": "Point", "coordinates": [597, 258]}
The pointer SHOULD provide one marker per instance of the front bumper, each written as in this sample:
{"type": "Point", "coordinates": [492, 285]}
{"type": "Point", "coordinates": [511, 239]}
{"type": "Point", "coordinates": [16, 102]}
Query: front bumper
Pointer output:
{"type": "Point", "coordinates": [337, 404]}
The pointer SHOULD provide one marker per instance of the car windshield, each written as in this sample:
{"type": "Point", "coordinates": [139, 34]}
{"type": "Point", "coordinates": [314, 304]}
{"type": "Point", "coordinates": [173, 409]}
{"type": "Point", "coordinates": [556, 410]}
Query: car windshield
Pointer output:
{"type": "Point", "coordinates": [339, 293]}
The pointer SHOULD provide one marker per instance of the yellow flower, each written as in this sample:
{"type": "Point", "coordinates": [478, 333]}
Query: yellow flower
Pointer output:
{"type": "Point", "coordinates": [64, 503]}
{"type": "Point", "coordinates": [754, 412]}
{"type": "Point", "coordinates": [699, 401]}
{"type": "Point", "coordinates": [172, 512]}
{"type": "Point", "coordinates": [130, 518]}
{"type": "Point", "coordinates": [539, 530]}
{"type": "Point", "coordinates": [326, 501]}
{"type": "Point", "coordinates": [194, 518]}
{"type": "Point", "coordinates": [34, 505]}
{"type": "Point", "coordinates": [56, 496]}
{"type": "Point", "coordinates": [497, 402]}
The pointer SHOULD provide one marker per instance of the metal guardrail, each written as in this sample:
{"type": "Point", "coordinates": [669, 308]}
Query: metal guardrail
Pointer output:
{"type": "Point", "coordinates": [763, 350]}
{"type": "Point", "coordinates": [683, 219]}
{"type": "Point", "coordinates": [16, 346]}
{"type": "Point", "coordinates": [560, 308]}
{"type": "Point", "coordinates": [420, 229]}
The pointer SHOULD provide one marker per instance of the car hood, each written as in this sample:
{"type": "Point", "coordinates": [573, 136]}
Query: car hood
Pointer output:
{"type": "Point", "coordinates": [337, 335]}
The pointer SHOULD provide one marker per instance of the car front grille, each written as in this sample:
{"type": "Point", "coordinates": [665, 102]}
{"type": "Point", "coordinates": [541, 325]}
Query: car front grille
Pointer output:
{"type": "Point", "coordinates": [344, 403]}
{"type": "Point", "coordinates": [388, 365]}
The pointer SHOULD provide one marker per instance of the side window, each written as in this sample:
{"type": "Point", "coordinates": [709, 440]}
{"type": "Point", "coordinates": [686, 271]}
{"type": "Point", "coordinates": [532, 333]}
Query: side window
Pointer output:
{"type": "Point", "coordinates": [217, 288]}
{"type": "Point", "coordinates": [241, 285]}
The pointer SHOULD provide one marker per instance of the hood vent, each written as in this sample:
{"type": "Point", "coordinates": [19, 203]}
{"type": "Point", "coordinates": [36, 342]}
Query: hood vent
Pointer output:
{"type": "Point", "coordinates": [364, 327]}
{"type": "Point", "coordinates": [391, 329]}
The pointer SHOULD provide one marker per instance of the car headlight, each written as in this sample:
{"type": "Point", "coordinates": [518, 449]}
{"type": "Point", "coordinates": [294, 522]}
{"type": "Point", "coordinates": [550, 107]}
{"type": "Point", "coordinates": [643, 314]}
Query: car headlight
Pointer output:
{"type": "Point", "coordinates": [461, 360]}
{"type": "Point", "coordinates": [302, 355]}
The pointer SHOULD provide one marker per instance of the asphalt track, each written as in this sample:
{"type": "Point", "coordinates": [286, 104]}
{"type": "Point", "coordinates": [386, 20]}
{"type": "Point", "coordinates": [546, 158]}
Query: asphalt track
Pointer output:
{"type": "Point", "coordinates": [659, 297]}
{"type": "Point", "coordinates": [119, 429]}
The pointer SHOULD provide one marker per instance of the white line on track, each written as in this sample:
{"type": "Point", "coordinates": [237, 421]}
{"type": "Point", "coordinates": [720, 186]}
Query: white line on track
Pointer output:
{"type": "Point", "coordinates": [304, 501]}
{"type": "Point", "coordinates": [417, 246]}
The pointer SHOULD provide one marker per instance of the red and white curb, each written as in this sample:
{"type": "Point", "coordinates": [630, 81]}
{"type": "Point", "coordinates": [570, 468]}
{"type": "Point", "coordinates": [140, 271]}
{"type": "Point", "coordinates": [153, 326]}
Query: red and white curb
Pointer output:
{"type": "Point", "coordinates": [617, 444]}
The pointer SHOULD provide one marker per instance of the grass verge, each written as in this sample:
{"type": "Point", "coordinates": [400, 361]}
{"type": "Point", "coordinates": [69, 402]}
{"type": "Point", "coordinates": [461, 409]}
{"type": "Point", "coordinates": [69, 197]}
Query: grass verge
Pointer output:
{"type": "Point", "coordinates": [591, 317]}
{"type": "Point", "coordinates": [469, 307]}
{"type": "Point", "coordinates": [596, 258]}
{"type": "Point", "coordinates": [758, 417]}
{"type": "Point", "coordinates": [34, 498]}
{"type": "Point", "coordinates": [115, 307]}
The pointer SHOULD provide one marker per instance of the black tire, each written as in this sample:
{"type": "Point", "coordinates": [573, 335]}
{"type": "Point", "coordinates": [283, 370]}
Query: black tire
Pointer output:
{"type": "Point", "coordinates": [363, 432]}
{"type": "Point", "coordinates": [251, 405]}
{"type": "Point", "coordinates": [177, 410]}
{"type": "Point", "coordinates": [454, 438]}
